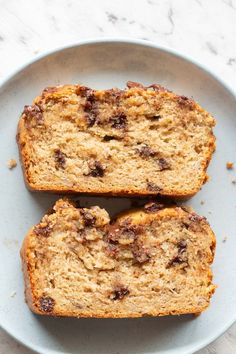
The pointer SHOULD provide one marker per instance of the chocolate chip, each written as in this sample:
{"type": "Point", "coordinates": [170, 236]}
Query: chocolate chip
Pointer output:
{"type": "Point", "coordinates": [131, 84]}
{"type": "Point", "coordinates": [96, 169]}
{"type": "Point", "coordinates": [145, 151]}
{"type": "Point", "coordinates": [124, 230]}
{"type": "Point", "coordinates": [141, 254]}
{"type": "Point", "coordinates": [154, 87]}
{"type": "Point", "coordinates": [49, 90]}
{"type": "Point", "coordinates": [43, 230]}
{"type": "Point", "coordinates": [156, 117]}
{"type": "Point", "coordinates": [196, 218]}
{"type": "Point", "coordinates": [174, 261]}
{"type": "Point", "coordinates": [112, 250]}
{"type": "Point", "coordinates": [46, 303]}
{"type": "Point", "coordinates": [181, 257]}
{"type": "Point", "coordinates": [112, 96]}
{"type": "Point", "coordinates": [109, 138]}
{"type": "Point", "coordinates": [89, 219]}
{"type": "Point", "coordinates": [113, 234]}
{"type": "Point", "coordinates": [119, 293]}
{"type": "Point", "coordinates": [153, 187]}
{"type": "Point", "coordinates": [90, 107]}
{"type": "Point", "coordinates": [60, 159]}
{"type": "Point", "coordinates": [186, 102]}
{"type": "Point", "coordinates": [118, 121]}
{"type": "Point", "coordinates": [83, 91]}
{"type": "Point", "coordinates": [153, 207]}
{"type": "Point", "coordinates": [158, 88]}
{"type": "Point", "coordinates": [31, 112]}
{"type": "Point", "coordinates": [194, 222]}
{"type": "Point", "coordinates": [163, 164]}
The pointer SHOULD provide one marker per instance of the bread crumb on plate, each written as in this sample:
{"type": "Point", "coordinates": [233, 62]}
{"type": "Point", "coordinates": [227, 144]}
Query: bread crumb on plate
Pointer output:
{"type": "Point", "coordinates": [11, 164]}
{"type": "Point", "coordinates": [229, 165]}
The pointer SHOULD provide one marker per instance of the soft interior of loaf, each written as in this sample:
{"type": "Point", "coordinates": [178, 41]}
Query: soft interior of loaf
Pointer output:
{"type": "Point", "coordinates": [141, 141]}
{"type": "Point", "coordinates": [146, 262]}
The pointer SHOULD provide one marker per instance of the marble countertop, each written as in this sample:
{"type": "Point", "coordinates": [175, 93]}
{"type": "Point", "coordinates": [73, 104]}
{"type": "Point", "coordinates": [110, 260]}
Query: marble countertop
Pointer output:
{"type": "Point", "coordinates": [204, 30]}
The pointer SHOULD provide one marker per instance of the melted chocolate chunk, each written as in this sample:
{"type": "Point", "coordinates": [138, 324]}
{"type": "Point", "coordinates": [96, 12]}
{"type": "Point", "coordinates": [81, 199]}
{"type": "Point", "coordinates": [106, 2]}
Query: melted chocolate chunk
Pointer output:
{"type": "Point", "coordinates": [60, 159]}
{"type": "Point", "coordinates": [119, 293]}
{"type": "Point", "coordinates": [33, 112]}
{"type": "Point", "coordinates": [194, 223]}
{"type": "Point", "coordinates": [196, 218]}
{"type": "Point", "coordinates": [43, 230]}
{"type": "Point", "coordinates": [184, 101]}
{"type": "Point", "coordinates": [83, 91]}
{"type": "Point", "coordinates": [163, 164]}
{"type": "Point", "coordinates": [131, 84]}
{"type": "Point", "coordinates": [158, 88]}
{"type": "Point", "coordinates": [146, 151]}
{"type": "Point", "coordinates": [90, 107]}
{"type": "Point", "coordinates": [50, 90]}
{"type": "Point", "coordinates": [96, 169]}
{"type": "Point", "coordinates": [113, 96]}
{"type": "Point", "coordinates": [153, 207]}
{"type": "Point", "coordinates": [109, 138]}
{"type": "Point", "coordinates": [157, 117]}
{"type": "Point", "coordinates": [118, 121]}
{"type": "Point", "coordinates": [124, 230]}
{"type": "Point", "coordinates": [113, 234]}
{"type": "Point", "coordinates": [89, 219]}
{"type": "Point", "coordinates": [181, 256]}
{"type": "Point", "coordinates": [154, 87]}
{"type": "Point", "coordinates": [46, 303]}
{"type": "Point", "coordinates": [141, 254]}
{"type": "Point", "coordinates": [153, 187]}
{"type": "Point", "coordinates": [112, 250]}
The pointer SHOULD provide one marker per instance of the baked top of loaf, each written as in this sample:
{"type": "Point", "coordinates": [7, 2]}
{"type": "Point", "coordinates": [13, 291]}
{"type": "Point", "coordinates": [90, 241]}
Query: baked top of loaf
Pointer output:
{"type": "Point", "coordinates": [153, 261]}
{"type": "Point", "coordinates": [137, 141]}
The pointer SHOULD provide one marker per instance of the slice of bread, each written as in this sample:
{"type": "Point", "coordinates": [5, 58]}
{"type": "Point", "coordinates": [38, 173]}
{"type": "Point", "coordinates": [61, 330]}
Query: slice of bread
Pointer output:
{"type": "Point", "coordinates": [138, 141]}
{"type": "Point", "coordinates": [153, 261]}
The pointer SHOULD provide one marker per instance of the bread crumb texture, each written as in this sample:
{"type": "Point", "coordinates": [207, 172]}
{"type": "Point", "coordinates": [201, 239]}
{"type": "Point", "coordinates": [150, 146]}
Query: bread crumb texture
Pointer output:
{"type": "Point", "coordinates": [138, 141]}
{"type": "Point", "coordinates": [11, 164]}
{"type": "Point", "coordinates": [153, 261]}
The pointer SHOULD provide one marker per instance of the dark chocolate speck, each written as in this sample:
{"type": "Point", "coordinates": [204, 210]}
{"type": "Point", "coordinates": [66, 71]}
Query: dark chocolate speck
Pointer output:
{"type": "Point", "coordinates": [46, 304]}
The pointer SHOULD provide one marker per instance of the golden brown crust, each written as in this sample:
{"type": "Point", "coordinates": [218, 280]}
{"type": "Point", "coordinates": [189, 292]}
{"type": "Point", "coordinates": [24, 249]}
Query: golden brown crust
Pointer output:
{"type": "Point", "coordinates": [26, 268]}
{"type": "Point", "coordinates": [66, 92]}
{"type": "Point", "coordinates": [137, 217]}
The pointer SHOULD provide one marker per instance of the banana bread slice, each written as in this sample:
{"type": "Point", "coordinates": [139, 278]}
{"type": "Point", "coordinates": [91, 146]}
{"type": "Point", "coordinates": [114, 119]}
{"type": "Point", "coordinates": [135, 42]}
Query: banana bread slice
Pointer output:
{"type": "Point", "coordinates": [153, 261]}
{"type": "Point", "coordinates": [137, 141]}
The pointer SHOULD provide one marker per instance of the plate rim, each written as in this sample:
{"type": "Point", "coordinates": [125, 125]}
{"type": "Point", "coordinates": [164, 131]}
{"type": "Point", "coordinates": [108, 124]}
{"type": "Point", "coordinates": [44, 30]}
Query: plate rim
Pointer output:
{"type": "Point", "coordinates": [142, 43]}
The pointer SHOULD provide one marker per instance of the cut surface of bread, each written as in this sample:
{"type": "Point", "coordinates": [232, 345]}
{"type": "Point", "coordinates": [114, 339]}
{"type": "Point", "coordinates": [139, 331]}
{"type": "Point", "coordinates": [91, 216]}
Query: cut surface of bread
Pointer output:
{"type": "Point", "coordinates": [137, 141]}
{"type": "Point", "coordinates": [153, 261]}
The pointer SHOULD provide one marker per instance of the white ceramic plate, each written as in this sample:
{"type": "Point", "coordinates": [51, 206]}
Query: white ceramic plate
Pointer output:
{"type": "Point", "coordinates": [104, 64]}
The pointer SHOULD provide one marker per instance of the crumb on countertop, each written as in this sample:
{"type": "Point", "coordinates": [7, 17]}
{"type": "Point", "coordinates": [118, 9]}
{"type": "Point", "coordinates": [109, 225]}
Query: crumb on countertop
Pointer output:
{"type": "Point", "coordinates": [11, 164]}
{"type": "Point", "coordinates": [13, 293]}
{"type": "Point", "coordinates": [229, 165]}
{"type": "Point", "coordinates": [224, 239]}
{"type": "Point", "coordinates": [234, 181]}
{"type": "Point", "coordinates": [202, 202]}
